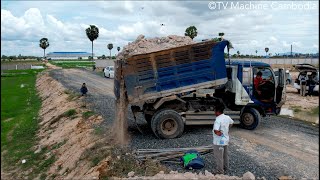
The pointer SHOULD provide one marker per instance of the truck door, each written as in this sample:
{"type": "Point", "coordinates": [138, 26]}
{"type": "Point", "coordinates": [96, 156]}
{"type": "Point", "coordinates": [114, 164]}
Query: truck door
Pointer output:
{"type": "Point", "coordinates": [280, 95]}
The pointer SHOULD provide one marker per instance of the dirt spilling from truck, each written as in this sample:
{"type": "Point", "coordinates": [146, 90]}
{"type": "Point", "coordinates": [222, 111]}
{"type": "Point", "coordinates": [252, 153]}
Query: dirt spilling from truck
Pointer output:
{"type": "Point", "coordinates": [120, 125]}
{"type": "Point", "coordinates": [139, 46]}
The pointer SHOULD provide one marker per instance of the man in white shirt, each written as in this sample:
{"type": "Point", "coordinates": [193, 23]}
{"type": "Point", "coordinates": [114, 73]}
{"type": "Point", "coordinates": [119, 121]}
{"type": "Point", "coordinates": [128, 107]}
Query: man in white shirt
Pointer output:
{"type": "Point", "coordinates": [221, 140]}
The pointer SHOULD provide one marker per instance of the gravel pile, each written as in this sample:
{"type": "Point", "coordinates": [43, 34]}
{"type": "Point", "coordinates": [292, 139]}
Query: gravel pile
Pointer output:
{"type": "Point", "coordinates": [142, 45]}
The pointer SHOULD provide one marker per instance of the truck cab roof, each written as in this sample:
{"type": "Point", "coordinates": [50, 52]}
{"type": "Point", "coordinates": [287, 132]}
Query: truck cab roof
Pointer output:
{"type": "Point", "coordinates": [246, 63]}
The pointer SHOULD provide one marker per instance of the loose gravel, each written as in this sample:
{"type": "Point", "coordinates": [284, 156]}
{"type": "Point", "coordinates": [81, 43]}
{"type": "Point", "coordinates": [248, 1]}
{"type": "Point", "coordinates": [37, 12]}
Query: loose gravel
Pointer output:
{"type": "Point", "coordinates": [245, 154]}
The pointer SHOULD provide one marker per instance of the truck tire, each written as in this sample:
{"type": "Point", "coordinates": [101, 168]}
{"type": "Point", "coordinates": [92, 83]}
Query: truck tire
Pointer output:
{"type": "Point", "coordinates": [167, 124]}
{"type": "Point", "coordinates": [250, 118]}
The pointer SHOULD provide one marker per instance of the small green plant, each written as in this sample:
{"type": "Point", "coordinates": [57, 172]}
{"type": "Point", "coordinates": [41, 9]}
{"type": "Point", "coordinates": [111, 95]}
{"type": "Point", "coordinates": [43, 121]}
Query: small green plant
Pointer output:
{"type": "Point", "coordinates": [296, 109]}
{"type": "Point", "coordinates": [96, 153]}
{"type": "Point", "coordinates": [70, 113]}
{"type": "Point", "coordinates": [87, 114]}
{"type": "Point", "coordinates": [99, 130]}
{"type": "Point", "coordinates": [72, 95]}
{"type": "Point", "coordinates": [58, 145]}
{"type": "Point", "coordinates": [43, 176]}
{"type": "Point", "coordinates": [95, 161]}
{"type": "Point", "coordinates": [315, 111]}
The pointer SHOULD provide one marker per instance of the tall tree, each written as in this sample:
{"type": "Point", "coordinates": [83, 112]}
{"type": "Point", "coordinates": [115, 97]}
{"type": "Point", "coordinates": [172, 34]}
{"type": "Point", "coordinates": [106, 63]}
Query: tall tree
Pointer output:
{"type": "Point", "coordinates": [110, 46]}
{"type": "Point", "coordinates": [256, 53]}
{"type": "Point", "coordinates": [238, 52]}
{"type": "Point", "coordinates": [92, 33]}
{"type": "Point", "coordinates": [44, 43]}
{"type": "Point", "coordinates": [266, 49]}
{"type": "Point", "coordinates": [191, 32]}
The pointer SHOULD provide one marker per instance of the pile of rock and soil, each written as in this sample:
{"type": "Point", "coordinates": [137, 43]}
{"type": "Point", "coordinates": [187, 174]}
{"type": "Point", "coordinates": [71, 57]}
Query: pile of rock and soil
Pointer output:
{"type": "Point", "coordinates": [142, 45]}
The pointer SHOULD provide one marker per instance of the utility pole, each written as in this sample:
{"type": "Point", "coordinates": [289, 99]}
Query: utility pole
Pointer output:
{"type": "Point", "coordinates": [291, 55]}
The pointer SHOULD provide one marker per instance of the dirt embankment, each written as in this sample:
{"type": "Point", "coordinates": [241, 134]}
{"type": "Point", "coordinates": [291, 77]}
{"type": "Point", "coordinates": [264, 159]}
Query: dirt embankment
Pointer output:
{"type": "Point", "coordinates": [75, 136]}
{"type": "Point", "coordinates": [66, 132]}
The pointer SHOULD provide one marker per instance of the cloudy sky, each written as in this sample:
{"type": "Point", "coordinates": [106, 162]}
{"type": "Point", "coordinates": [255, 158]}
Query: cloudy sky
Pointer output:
{"type": "Point", "coordinates": [249, 25]}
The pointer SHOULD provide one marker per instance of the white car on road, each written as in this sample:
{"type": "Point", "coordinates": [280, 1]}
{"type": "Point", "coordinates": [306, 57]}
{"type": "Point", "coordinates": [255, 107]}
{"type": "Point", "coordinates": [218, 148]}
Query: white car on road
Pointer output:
{"type": "Point", "coordinates": [108, 72]}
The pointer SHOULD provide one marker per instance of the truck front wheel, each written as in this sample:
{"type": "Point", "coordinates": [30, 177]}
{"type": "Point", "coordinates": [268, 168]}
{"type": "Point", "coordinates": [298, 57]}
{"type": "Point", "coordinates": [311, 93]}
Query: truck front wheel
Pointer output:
{"type": "Point", "coordinates": [167, 124]}
{"type": "Point", "coordinates": [250, 118]}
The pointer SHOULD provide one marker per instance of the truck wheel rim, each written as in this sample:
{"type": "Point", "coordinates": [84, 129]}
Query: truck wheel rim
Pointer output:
{"type": "Point", "coordinates": [169, 126]}
{"type": "Point", "coordinates": [247, 119]}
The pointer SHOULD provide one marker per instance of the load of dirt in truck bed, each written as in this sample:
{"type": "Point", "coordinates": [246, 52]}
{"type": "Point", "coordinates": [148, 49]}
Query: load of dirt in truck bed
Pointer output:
{"type": "Point", "coordinates": [142, 45]}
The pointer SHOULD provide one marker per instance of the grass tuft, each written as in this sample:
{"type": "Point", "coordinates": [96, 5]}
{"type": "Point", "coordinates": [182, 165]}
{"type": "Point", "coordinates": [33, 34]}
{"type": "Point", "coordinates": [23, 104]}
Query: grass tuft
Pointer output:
{"type": "Point", "coordinates": [87, 114]}
{"type": "Point", "coordinates": [315, 111]}
{"type": "Point", "coordinates": [70, 113]}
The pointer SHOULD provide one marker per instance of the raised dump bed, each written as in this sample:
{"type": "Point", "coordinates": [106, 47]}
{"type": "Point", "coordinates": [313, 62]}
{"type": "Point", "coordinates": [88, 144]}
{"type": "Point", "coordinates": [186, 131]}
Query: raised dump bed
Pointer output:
{"type": "Point", "coordinates": [171, 71]}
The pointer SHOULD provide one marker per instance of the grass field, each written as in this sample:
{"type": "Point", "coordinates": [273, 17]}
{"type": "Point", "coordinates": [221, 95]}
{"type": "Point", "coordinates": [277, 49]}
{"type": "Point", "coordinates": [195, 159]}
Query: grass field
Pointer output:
{"type": "Point", "coordinates": [73, 64]}
{"type": "Point", "coordinates": [20, 105]}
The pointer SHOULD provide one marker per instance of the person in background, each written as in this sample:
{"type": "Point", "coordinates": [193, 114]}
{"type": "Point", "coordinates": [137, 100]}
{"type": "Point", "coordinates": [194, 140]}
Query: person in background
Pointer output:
{"type": "Point", "coordinates": [303, 82]}
{"type": "Point", "coordinates": [221, 140]}
{"type": "Point", "coordinates": [312, 82]}
{"type": "Point", "coordinates": [84, 89]}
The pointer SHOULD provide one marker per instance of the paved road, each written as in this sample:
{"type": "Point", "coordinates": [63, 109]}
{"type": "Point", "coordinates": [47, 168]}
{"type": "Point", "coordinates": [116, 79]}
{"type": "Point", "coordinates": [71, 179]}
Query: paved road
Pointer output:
{"type": "Point", "coordinates": [279, 146]}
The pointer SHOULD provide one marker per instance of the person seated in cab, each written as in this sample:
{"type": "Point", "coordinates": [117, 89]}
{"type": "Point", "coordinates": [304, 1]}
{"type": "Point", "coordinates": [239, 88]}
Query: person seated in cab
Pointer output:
{"type": "Point", "coordinates": [258, 83]}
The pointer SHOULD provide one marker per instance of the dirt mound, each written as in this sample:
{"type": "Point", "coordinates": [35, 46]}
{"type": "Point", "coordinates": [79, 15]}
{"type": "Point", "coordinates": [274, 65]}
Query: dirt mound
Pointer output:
{"type": "Point", "coordinates": [64, 131]}
{"type": "Point", "coordinates": [142, 45]}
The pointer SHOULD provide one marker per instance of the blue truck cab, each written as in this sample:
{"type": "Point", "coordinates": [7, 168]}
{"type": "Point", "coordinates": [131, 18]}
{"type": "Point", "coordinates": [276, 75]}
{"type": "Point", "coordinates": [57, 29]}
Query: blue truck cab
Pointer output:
{"type": "Point", "coordinates": [181, 86]}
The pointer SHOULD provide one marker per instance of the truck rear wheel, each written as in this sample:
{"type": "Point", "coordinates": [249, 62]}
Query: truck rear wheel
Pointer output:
{"type": "Point", "coordinates": [250, 118]}
{"type": "Point", "coordinates": [167, 124]}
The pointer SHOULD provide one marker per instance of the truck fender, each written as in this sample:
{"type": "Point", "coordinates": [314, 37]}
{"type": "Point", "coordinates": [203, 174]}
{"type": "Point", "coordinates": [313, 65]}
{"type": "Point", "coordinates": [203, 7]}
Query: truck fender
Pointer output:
{"type": "Point", "coordinates": [165, 99]}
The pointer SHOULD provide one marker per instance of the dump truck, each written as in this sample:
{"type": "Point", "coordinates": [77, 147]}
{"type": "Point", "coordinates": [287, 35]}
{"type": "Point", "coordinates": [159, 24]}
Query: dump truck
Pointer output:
{"type": "Point", "coordinates": [181, 86]}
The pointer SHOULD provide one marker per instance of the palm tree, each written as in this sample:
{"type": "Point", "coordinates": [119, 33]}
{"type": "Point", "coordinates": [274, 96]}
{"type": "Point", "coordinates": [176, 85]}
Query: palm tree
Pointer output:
{"type": "Point", "coordinates": [266, 49]}
{"type": "Point", "coordinates": [238, 52]}
{"type": "Point", "coordinates": [191, 32]}
{"type": "Point", "coordinates": [256, 53]}
{"type": "Point", "coordinates": [44, 43]}
{"type": "Point", "coordinates": [118, 48]}
{"type": "Point", "coordinates": [110, 46]}
{"type": "Point", "coordinates": [92, 33]}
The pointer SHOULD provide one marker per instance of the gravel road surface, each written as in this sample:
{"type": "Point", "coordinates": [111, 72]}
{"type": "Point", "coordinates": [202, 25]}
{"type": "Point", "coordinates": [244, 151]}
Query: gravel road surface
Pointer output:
{"type": "Point", "coordinates": [278, 147]}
